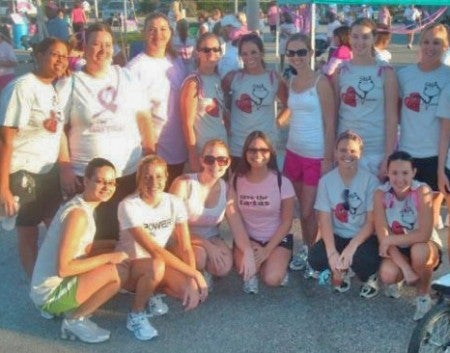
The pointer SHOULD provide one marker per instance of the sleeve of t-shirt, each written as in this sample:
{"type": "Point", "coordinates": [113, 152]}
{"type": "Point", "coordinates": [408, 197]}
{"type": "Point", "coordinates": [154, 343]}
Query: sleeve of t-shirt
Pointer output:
{"type": "Point", "coordinates": [180, 209]}
{"type": "Point", "coordinates": [287, 190]}
{"type": "Point", "coordinates": [15, 104]}
{"type": "Point", "coordinates": [139, 101]}
{"type": "Point", "coordinates": [443, 109]}
{"type": "Point", "coordinates": [322, 200]}
{"type": "Point", "coordinates": [129, 214]}
{"type": "Point", "coordinates": [400, 76]}
{"type": "Point", "coordinates": [372, 186]}
{"type": "Point", "coordinates": [10, 54]}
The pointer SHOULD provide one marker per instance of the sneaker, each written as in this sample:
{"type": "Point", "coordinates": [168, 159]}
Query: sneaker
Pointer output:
{"type": "Point", "coordinates": [393, 290]}
{"type": "Point", "coordinates": [46, 315]}
{"type": "Point", "coordinates": [209, 280]}
{"type": "Point", "coordinates": [251, 286]}
{"type": "Point", "coordinates": [140, 326]}
{"type": "Point", "coordinates": [285, 281]}
{"type": "Point", "coordinates": [423, 305]}
{"type": "Point", "coordinates": [370, 288]}
{"type": "Point", "coordinates": [344, 286]}
{"type": "Point", "coordinates": [299, 259]}
{"type": "Point", "coordinates": [409, 46]}
{"type": "Point", "coordinates": [83, 329]}
{"type": "Point", "coordinates": [310, 272]}
{"type": "Point", "coordinates": [156, 306]}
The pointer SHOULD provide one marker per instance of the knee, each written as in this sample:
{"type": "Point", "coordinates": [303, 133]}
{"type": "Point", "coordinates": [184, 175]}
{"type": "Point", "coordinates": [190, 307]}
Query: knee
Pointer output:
{"type": "Point", "coordinates": [271, 279]}
{"type": "Point", "coordinates": [388, 273]}
{"type": "Point", "coordinates": [159, 269]}
{"type": "Point", "coordinates": [420, 256]}
{"type": "Point", "coordinates": [200, 257]}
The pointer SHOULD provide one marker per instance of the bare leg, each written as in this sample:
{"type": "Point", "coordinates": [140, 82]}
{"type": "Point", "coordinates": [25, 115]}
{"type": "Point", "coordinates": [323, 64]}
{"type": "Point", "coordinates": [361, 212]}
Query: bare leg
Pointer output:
{"type": "Point", "coordinates": [424, 257]}
{"type": "Point", "coordinates": [306, 195]}
{"type": "Point", "coordinates": [227, 257]}
{"type": "Point", "coordinates": [402, 262]}
{"type": "Point", "coordinates": [437, 203]}
{"type": "Point", "coordinates": [274, 268]}
{"type": "Point", "coordinates": [28, 247]}
{"type": "Point", "coordinates": [389, 272]}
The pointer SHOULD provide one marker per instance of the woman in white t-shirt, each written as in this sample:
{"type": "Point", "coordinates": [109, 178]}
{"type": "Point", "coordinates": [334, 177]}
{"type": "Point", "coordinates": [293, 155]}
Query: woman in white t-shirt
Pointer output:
{"type": "Point", "coordinates": [367, 98]}
{"type": "Point", "coordinates": [260, 211]}
{"type": "Point", "coordinates": [31, 125]}
{"type": "Point", "coordinates": [107, 119]}
{"type": "Point", "coordinates": [409, 245]}
{"type": "Point", "coordinates": [8, 59]}
{"type": "Point", "coordinates": [204, 194]}
{"type": "Point", "coordinates": [201, 100]}
{"type": "Point", "coordinates": [154, 233]}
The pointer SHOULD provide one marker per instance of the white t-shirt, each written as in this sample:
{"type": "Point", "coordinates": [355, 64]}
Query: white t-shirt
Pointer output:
{"type": "Point", "coordinates": [37, 110]}
{"type": "Point", "coordinates": [159, 221]}
{"type": "Point", "coordinates": [103, 120]}
{"type": "Point", "coordinates": [161, 79]}
{"type": "Point", "coordinates": [7, 53]}
{"type": "Point", "coordinates": [45, 275]}
{"type": "Point", "coordinates": [443, 112]}
{"type": "Point", "coordinates": [419, 125]}
{"type": "Point", "coordinates": [204, 221]}
{"type": "Point", "coordinates": [347, 204]}
{"type": "Point", "coordinates": [260, 204]}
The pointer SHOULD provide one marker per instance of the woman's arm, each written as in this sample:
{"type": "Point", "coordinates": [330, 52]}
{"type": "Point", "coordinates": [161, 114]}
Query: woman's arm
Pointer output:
{"type": "Point", "coordinates": [226, 88]}
{"type": "Point", "coordinates": [326, 97]}
{"type": "Point", "coordinates": [330, 67]}
{"type": "Point", "coordinates": [68, 180]}
{"type": "Point", "coordinates": [188, 109]}
{"type": "Point", "coordinates": [391, 99]}
{"type": "Point", "coordinates": [73, 230]}
{"type": "Point", "coordinates": [324, 220]}
{"type": "Point", "coordinates": [444, 142]}
{"type": "Point", "coordinates": [336, 89]}
{"type": "Point", "coordinates": [7, 135]}
{"type": "Point", "coordinates": [145, 126]}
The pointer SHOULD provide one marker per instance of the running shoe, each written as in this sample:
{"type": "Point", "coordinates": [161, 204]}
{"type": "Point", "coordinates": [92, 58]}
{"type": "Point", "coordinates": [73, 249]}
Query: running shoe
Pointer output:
{"type": "Point", "coordinates": [299, 259]}
{"type": "Point", "coordinates": [423, 305]}
{"type": "Point", "coordinates": [251, 286]}
{"type": "Point", "coordinates": [156, 306]}
{"type": "Point", "coordinates": [393, 290]}
{"type": "Point", "coordinates": [140, 326]}
{"type": "Point", "coordinates": [83, 329]}
{"type": "Point", "coordinates": [370, 288]}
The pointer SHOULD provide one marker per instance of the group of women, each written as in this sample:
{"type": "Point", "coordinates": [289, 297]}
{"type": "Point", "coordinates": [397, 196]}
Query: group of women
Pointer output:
{"type": "Point", "coordinates": [118, 139]}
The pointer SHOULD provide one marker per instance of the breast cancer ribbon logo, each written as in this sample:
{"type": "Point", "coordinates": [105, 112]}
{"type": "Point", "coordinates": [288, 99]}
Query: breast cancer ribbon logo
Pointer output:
{"type": "Point", "coordinates": [107, 98]}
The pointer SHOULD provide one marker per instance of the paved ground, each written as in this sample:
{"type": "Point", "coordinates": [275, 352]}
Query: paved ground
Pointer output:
{"type": "Point", "coordinates": [304, 317]}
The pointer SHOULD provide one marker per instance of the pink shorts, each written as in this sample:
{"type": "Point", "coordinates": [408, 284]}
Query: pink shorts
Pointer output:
{"type": "Point", "coordinates": [302, 169]}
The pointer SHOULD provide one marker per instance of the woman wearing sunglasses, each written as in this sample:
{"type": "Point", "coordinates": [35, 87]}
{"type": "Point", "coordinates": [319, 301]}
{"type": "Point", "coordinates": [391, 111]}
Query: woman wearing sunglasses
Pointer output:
{"type": "Point", "coordinates": [204, 194]}
{"type": "Point", "coordinates": [154, 233]}
{"type": "Point", "coordinates": [367, 98]}
{"type": "Point", "coordinates": [309, 148]}
{"type": "Point", "coordinates": [409, 244]}
{"type": "Point", "coordinates": [250, 94]}
{"type": "Point", "coordinates": [201, 100]}
{"type": "Point", "coordinates": [345, 205]}
{"type": "Point", "coordinates": [260, 211]}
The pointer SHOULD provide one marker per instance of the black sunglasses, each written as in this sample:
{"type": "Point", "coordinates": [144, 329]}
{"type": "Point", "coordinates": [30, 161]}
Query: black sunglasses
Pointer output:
{"type": "Point", "coordinates": [299, 52]}
{"type": "Point", "coordinates": [207, 50]}
{"type": "Point", "coordinates": [345, 195]}
{"type": "Point", "coordinates": [221, 160]}
{"type": "Point", "coordinates": [256, 150]}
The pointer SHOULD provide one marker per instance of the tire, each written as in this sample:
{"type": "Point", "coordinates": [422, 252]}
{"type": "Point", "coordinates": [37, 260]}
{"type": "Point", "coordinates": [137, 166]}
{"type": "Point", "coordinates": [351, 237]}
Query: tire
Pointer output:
{"type": "Point", "coordinates": [432, 333]}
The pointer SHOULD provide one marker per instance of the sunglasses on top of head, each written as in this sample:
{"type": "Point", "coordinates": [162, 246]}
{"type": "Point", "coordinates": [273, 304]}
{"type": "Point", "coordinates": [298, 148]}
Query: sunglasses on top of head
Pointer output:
{"type": "Point", "coordinates": [299, 52]}
{"type": "Point", "coordinates": [210, 160]}
{"type": "Point", "coordinates": [207, 50]}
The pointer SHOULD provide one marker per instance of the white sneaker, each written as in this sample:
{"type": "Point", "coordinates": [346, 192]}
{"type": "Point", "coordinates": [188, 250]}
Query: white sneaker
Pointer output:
{"type": "Point", "coordinates": [370, 288]}
{"type": "Point", "coordinates": [285, 281]}
{"type": "Point", "coordinates": [299, 259]}
{"type": "Point", "coordinates": [393, 290]}
{"type": "Point", "coordinates": [423, 305]}
{"type": "Point", "coordinates": [156, 306]}
{"type": "Point", "coordinates": [83, 329]}
{"type": "Point", "coordinates": [209, 280]}
{"type": "Point", "coordinates": [140, 326]}
{"type": "Point", "coordinates": [251, 286]}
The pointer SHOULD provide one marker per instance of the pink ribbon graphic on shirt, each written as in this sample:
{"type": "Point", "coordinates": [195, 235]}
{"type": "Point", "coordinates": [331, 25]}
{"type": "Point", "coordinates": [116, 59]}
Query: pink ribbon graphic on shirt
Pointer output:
{"type": "Point", "coordinates": [107, 98]}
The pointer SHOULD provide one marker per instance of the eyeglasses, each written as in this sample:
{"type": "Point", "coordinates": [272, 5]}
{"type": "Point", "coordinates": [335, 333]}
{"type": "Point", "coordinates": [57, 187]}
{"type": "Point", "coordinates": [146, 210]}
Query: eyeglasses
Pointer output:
{"type": "Point", "coordinates": [109, 184]}
{"type": "Point", "coordinates": [299, 52]}
{"type": "Point", "coordinates": [207, 50]}
{"type": "Point", "coordinates": [221, 160]}
{"type": "Point", "coordinates": [256, 150]}
{"type": "Point", "coordinates": [345, 195]}
{"type": "Point", "coordinates": [59, 56]}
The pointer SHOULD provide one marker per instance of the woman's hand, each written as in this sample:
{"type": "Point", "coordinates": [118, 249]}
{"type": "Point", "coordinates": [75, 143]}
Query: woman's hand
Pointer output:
{"type": "Point", "coordinates": [202, 286]}
{"type": "Point", "coordinates": [216, 256]}
{"type": "Point", "coordinates": [384, 246]}
{"type": "Point", "coordinates": [70, 184]}
{"type": "Point", "coordinates": [248, 265]}
{"type": "Point", "coordinates": [333, 261]}
{"type": "Point", "coordinates": [261, 253]}
{"type": "Point", "coordinates": [443, 182]}
{"type": "Point", "coordinates": [118, 257]}
{"type": "Point", "coordinates": [191, 296]}
{"type": "Point", "coordinates": [8, 203]}
{"type": "Point", "coordinates": [345, 260]}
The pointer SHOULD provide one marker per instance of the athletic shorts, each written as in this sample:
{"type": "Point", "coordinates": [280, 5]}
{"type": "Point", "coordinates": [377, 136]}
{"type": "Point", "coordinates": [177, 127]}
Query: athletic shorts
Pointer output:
{"type": "Point", "coordinates": [302, 169]}
{"type": "Point", "coordinates": [39, 195]}
{"type": "Point", "coordinates": [427, 171]}
{"type": "Point", "coordinates": [63, 298]}
{"type": "Point", "coordinates": [287, 242]}
{"type": "Point", "coordinates": [407, 253]}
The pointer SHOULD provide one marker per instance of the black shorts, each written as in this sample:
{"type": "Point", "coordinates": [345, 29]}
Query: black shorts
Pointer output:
{"type": "Point", "coordinates": [287, 242]}
{"type": "Point", "coordinates": [407, 253]}
{"type": "Point", "coordinates": [273, 28]}
{"type": "Point", "coordinates": [39, 195]}
{"type": "Point", "coordinates": [427, 171]}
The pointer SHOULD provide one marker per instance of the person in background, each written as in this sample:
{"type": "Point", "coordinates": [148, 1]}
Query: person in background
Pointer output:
{"type": "Point", "coordinates": [230, 60]}
{"type": "Point", "coordinates": [382, 42]}
{"type": "Point", "coordinates": [333, 23]}
{"type": "Point", "coordinates": [78, 17]}
{"type": "Point", "coordinates": [8, 58]}
{"type": "Point", "coordinates": [31, 132]}
{"type": "Point", "coordinates": [384, 16]}
{"type": "Point", "coordinates": [215, 17]}
{"type": "Point", "coordinates": [409, 245]}
{"type": "Point", "coordinates": [184, 45]}
{"type": "Point", "coordinates": [411, 18]}
{"type": "Point", "coordinates": [343, 51]}
{"type": "Point", "coordinates": [56, 27]}
{"type": "Point", "coordinates": [71, 277]}
{"type": "Point", "coordinates": [202, 18]}
{"type": "Point", "coordinates": [260, 210]}
{"type": "Point", "coordinates": [273, 14]}
{"type": "Point", "coordinates": [304, 19]}
{"type": "Point", "coordinates": [175, 14]}
{"type": "Point", "coordinates": [287, 28]}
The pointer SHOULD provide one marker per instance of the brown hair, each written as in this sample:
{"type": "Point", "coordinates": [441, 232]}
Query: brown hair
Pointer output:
{"type": "Point", "coordinates": [438, 27]}
{"type": "Point", "coordinates": [252, 38]}
{"type": "Point", "coordinates": [170, 51]}
{"type": "Point", "coordinates": [298, 37]}
{"type": "Point", "coordinates": [350, 135]}
{"type": "Point", "coordinates": [213, 143]}
{"type": "Point", "coordinates": [343, 34]}
{"type": "Point", "coordinates": [150, 159]}
{"type": "Point", "coordinates": [383, 35]}
{"type": "Point", "coordinates": [98, 27]}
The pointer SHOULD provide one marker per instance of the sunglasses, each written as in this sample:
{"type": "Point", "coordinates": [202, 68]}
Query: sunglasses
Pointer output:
{"type": "Point", "coordinates": [207, 50]}
{"type": "Point", "coordinates": [221, 160]}
{"type": "Point", "coordinates": [345, 195]}
{"type": "Point", "coordinates": [256, 150]}
{"type": "Point", "coordinates": [299, 52]}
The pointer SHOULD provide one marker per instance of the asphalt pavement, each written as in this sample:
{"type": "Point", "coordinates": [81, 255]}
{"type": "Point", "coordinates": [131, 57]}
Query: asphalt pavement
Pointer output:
{"type": "Point", "coordinates": [303, 317]}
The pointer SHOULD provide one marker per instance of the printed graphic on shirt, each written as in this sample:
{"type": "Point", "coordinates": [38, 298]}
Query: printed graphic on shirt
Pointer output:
{"type": "Point", "coordinates": [429, 97]}
{"type": "Point", "coordinates": [212, 107]}
{"type": "Point", "coordinates": [246, 103]}
{"type": "Point", "coordinates": [347, 211]}
{"type": "Point", "coordinates": [365, 85]}
{"type": "Point", "coordinates": [51, 123]}
{"type": "Point", "coordinates": [253, 200]}
{"type": "Point", "coordinates": [408, 217]}
{"type": "Point", "coordinates": [160, 225]}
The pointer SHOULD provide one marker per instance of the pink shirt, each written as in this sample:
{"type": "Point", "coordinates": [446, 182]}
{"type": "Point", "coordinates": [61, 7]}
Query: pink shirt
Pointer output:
{"type": "Point", "coordinates": [78, 15]}
{"type": "Point", "coordinates": [260, 205]}
{"type": "Point", "coordinates": [272, 15]}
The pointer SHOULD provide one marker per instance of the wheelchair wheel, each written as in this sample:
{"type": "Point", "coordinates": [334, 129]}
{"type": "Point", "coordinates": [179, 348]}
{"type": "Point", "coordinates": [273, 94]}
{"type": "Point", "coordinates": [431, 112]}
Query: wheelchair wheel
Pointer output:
{"type": "Point", "coordinates": [432, 333]}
